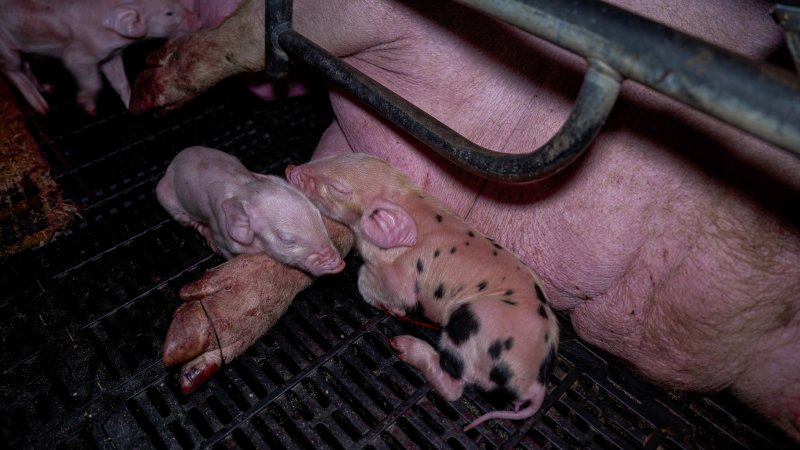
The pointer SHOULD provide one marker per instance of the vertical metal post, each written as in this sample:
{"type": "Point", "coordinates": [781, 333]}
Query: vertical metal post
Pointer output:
{"type": "Point", "coordinates": [278, 18]}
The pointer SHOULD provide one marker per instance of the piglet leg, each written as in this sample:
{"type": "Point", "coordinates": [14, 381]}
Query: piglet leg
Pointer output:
{"type": "Point", "coordinates": [230, 307]}
{"type": "Point", "coordinates": [372, 289]}
{"type": "Point", "coordinates": [205, 231]}
{"type": "Point", "coordinates": [23, 78]}
{"type": "Point", "coordinates": [114, 71]}
{"type": "Point", "coordinates": [421, 355]}
{"type": "Point", "coordinates": [84, 70]}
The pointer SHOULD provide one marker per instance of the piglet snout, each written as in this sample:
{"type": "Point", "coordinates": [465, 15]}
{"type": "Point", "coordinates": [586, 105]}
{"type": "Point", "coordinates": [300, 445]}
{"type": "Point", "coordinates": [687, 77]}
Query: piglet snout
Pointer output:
{"type": "Point", "coordinates": [325, 262]}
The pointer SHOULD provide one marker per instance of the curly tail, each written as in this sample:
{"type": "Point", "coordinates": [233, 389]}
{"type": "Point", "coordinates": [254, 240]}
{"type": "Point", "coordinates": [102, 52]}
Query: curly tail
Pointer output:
{"type": "Point", "coordinates": [517, 414]}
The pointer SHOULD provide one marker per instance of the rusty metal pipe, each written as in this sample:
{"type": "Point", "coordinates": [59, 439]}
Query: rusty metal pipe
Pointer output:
{"type": "Point", "coordinates": [755, 97]}
{"type": "Point", "coordinates": [595, 100]}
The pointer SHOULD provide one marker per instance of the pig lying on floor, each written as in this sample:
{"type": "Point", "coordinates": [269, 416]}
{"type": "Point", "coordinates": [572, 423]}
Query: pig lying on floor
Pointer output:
{"type": "Point", "coordinates": [498, 330]}
{"type": "Point", "coordinates": [239, 211]}
{"type": "Point", "coordinates": [674, 243]}
{"type": "Point", "coordinates": [205, 333]}
{"type": "Point", "coordinates": [87, 35]}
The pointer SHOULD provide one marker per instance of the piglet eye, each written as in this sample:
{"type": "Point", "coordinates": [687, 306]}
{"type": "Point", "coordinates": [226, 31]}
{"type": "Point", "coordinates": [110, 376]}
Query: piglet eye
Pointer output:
{"type": "Point", "coordinates": [170, 13]}
{"type": "Point", "coordinates": [339, 189]}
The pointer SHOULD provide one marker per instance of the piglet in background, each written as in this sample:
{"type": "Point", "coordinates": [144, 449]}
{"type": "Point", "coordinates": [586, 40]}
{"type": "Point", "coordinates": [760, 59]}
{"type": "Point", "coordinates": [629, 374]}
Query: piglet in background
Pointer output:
{"type": "Point", "coordinates": [239, 211]}
{"type": "Point", "coordinates": [88, 36]}
{"type": "Point", "coordinates": [499, 332]}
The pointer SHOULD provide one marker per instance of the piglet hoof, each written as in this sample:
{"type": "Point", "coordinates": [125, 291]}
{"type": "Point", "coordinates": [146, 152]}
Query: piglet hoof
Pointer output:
{"type": "Point", "coordinates": [199, 370]}
{"type": "Point", "coordinates": [86, 101]}
{"type": "Point", "coordinates": [188, 336]}
{"type": "Point", "coordinates": [404, 346]}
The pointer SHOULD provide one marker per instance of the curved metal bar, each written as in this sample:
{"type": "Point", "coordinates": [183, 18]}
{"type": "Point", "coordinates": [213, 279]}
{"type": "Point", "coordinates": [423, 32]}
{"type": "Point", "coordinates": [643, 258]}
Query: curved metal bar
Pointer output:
{"type": "Point", "coordinates": [277, 19]}
{"type": "Point", "coordinates": [595, 100]}
{"type": "Point", "coordinates": [755, 97]}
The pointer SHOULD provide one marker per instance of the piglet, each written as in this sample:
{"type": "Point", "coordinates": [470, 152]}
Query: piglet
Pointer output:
{"type": "Point", "coordinates": [87, 35]}
{"type": "Point", "coordinates": [499, 332]}
{"type": "Point", "coordinates": [239, 211]}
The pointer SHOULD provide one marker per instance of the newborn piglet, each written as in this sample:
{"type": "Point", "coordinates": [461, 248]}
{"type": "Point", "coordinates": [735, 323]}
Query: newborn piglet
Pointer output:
{"type": "Point", "coordinates": [499, 332]}
{"type": "Point", "coordinates": [87, 35]}
{"type": "Point", "coordinates": [239, 211]}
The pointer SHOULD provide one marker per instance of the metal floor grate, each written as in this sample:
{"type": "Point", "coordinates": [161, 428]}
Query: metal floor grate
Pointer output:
{"type": "Point", "coordinates": [82, 321]}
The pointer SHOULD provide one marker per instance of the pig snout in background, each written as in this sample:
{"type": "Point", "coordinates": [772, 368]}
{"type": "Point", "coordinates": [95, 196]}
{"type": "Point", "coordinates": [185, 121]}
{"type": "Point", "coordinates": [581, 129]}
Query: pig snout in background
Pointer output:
{"type": "Point", "coordinates": [212, 13]}
{"type": "Point", "coordinates": [88, 36]}
{"type": "Point", "coordinates": [499, 332]}
{"type": "Point", "coordinates": [245, 63]}
{"type": "Point", "coordinates": [241, 212]}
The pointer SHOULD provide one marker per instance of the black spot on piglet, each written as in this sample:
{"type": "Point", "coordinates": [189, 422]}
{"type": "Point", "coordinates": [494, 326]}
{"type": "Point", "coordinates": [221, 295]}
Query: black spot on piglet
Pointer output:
{"type": "Point", "coordinates": [547, 366]}
{"type": "Point", "coordinates": [439, 292]}
{"type": "Point", "coordinates": [501, 374]}
{"type": "Point", "coordinates": [496, 349]}
{"type": "Point", "coordinates": [543, 312]}
{"type": "Point", "coordinates": [451, 363]}
{"type": "Point", "coordinates": [539, 293]}
{"type": "Point", "coordinates": [462, 325]}
{"type": "Point", "coordinates": [501, 396]}
{"type": "Point", "coordinates": [420, 265]}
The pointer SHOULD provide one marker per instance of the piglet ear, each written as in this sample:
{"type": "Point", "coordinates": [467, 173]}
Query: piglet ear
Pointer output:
{"type": "Point", "coordinates": [126, 21]}
{"type": "Point", "coordinates": [263, 176]}
{"type": "Point", "coordinates": [237, 221]}
{"type": "Point", "coordinates": [388, 225]}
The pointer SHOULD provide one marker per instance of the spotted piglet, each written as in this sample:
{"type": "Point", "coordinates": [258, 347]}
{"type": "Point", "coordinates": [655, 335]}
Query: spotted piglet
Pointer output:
{"type": "Point", "coordinates": [498, 331]}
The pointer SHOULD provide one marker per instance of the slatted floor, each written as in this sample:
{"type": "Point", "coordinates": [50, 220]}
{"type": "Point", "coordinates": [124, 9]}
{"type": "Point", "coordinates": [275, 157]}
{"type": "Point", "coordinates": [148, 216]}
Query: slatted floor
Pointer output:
{"type": "Point", "coordinates": [82, 321]}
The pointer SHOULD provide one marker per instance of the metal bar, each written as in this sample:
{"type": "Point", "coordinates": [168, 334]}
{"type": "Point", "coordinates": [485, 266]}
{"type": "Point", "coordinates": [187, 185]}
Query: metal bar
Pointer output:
{"type": "Point", "coordinates": [787, 14]}
{"type": "Point", "coordinates": [755, 97]}
{"type": "Point", "coordinates": [277, 19]}
{"type": "Point", "coordinates": [595, 100]}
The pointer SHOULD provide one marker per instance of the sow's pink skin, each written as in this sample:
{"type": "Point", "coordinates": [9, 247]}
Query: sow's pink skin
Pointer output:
{"type": "Point", "coordinates": [87, 35]}
{"type": "Point", "coordinates": [498, 330]}
{"type": "Point", "coordinates": [239, 211]}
